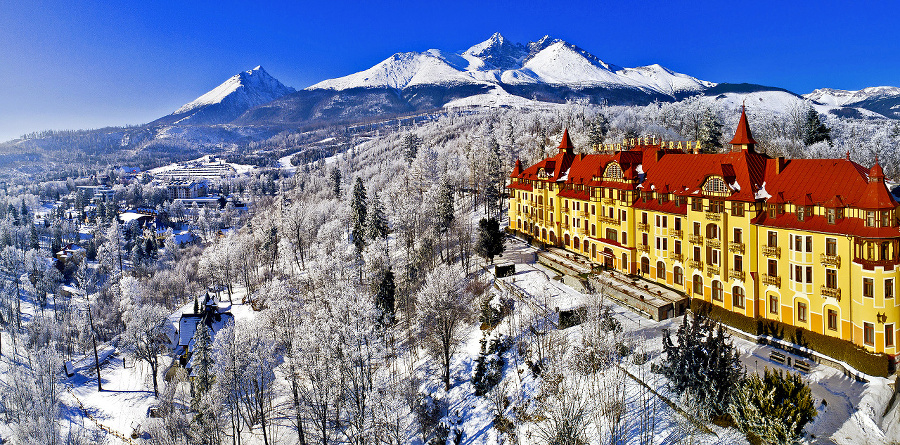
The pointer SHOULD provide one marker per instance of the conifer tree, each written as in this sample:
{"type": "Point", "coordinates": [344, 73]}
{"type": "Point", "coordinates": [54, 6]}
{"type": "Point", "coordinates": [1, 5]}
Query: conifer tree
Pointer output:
{"type": "Point", "coordinates": [336, 182]}
{"type": "Point", "coordinates": [385, 297]}
{"type": "Point", "coordinates": [490, 239]}
{"type": "Point", "coordinates": [410, 147]}
{"type": "Point", "coordinates": [710, 132]}
{"type": "Point", "coordinates": [445, 210]}
{"type": "Point", "coordinates": [598, 129]}
{"type": "Point", "coordinates": [358, 214]}
{"type": "Point", "coordinates": [376, 223]}
{"type": "Point", "coordinates": [813, 128]}
{"type": "Point", "coordinates": [495, 179]}
{"type": "Point", "coordinates": [202, 362]}
{"type": "Point", "coordinates": [772, 409]}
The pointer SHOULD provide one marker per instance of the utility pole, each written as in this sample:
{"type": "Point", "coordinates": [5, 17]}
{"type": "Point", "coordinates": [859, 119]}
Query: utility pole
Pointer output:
{"type": "Point", "coordinates": [96, 357]}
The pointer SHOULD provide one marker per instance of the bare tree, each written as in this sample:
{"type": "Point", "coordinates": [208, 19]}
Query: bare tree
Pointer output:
{"type": "Point", "coordinates": [445, 307]}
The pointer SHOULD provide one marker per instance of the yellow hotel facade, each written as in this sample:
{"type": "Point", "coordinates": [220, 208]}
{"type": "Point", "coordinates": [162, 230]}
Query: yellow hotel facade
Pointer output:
{"type": "Point", "coordinates": [811, 243]}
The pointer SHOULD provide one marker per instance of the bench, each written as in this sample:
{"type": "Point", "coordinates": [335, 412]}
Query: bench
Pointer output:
{"type": "Point", "coordinates": [777, 357]}
{"type": "Point", "coordinates": [802, 366]}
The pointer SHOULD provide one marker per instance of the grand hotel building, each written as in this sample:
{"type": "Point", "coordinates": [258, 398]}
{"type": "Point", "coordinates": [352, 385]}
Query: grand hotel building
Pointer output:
{"type": "Point", "coordinates": [807, 242]}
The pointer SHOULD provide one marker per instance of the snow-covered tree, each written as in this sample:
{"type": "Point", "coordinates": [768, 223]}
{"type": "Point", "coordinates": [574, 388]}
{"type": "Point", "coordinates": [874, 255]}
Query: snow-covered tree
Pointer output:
{"type": "Point", "coordinates": [444, 307]}
{"type": "Point", "coordinates": [146, 337]}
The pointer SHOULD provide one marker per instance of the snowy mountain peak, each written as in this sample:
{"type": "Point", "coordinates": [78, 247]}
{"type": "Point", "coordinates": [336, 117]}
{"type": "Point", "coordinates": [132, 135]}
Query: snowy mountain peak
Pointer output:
{"type": "Point", "coordinates": [835, 97]}
{"type": "Point", "coordinates": [498, 52]}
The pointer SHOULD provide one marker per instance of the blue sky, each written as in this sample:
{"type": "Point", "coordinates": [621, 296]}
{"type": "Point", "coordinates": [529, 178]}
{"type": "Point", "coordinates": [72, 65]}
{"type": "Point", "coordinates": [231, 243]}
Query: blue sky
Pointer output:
{"type": "Point", "coordinates": [87, 64]}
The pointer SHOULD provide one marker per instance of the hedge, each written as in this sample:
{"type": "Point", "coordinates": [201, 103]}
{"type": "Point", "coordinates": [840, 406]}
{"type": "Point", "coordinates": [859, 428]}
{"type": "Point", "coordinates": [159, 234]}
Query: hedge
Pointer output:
{"type": "Point", "coordinates": [879, 365]}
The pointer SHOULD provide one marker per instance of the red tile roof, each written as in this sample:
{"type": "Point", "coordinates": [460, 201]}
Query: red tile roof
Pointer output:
{"type": "Point", "coordinates": [846, 226]}
{"type": "Point", "coordinates": [516, 170]}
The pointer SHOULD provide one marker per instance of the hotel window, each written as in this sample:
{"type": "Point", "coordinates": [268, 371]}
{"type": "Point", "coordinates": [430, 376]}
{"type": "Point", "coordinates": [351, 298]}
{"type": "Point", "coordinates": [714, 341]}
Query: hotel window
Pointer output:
{"type": "Point", "coordinates": [869, 334]}
{"type": "Point", "coordinates": [809, 274]}
{"type": "Point", "coordinates": [624, 216]}
{"type": "Point", "coordinates": [832, 319]}
{"type": "Point", "coordinates": [717, 290]}
{"type": "Point", "coordinates": [677, 247]}
{"type": "Point", "coordinates": [712, 255]}
{"type": "Point", "coordinates": [797, 273]}
{"type": "Point", "coordinates": [678, 275]}
{"type": "Point", "coordinates": [831, 278]}
{"type": "Point", "coordinates": [624, 237]}
{"type": "Point", "coordinates": [738, 263]}
{"type": "Point", "coordinates": [773, 304]}
{"type": "Point", "coordinates": [772, 239]}
{"type": "Point", "coordinates": [644, 240]}
{"type": "Point", "coordinates": [801, 213]}
{"type": "Point", "coordinates": [798, 243]}
{"type": "Point", "coordinates": [809, 244]}
{"type": "Point", "coordinates": [712, 231]}
{"type": "Point", "coordinates": [801, 312]}
{"type": "Point", "coordinates": [696, 228]}
{"type": "Point", "coordinates": [660, 270]}
{"type": "Point", "coordinates": [698, 285]}
{"type": "Point", "coordinates": [593, 209]}
{"type": "Point", "coordinates": [889, 335]}
{"type": "Point", "coordinates": [867, 287]}
{"type": "Point", "coordinates": [716, 206]}
{"type": "Point", "coordinates": [665, 221]}
{"type": "Point", "coordinates": [715, 185]}
{"type": "Point", "coordinates": [830, 246]}
{"type": "Point", "coordinates": [611, 234]}
{"type": "Point", "coordinates": [773, 268]}
{"type": "Point", "coordinates": [886, 219]}
{"type": "Point", "coordinates": [677, 223]}
{"type": "Point", "coordinates": [885, 251]}
{"type": "Point", "coordinates": [737, 209]}
{"type": "Point", "coordinates": [593, 230]}
{"type": "Point", "coordinates": [738, 235]}
{"type": "Point", "coordinates": [644, 217]}
{"type": "Point", "coordinates": [697, 204]}
{"type": "Point", "coordinates": [870, 219]}
{"type": "Point", "coordinates": [830, 214]}
{"type": "Point", "coordinates": [697, 253]}
{"type": "Point", "coordinates": [889, 288]}
{"type": "Point", "coordinates": [738, 297]}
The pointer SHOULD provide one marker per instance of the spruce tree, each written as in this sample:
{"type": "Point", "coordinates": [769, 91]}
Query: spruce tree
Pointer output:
{"type": "Point", "coordinates": [385, 298]}
{"type": "Point", "coordinates": [772, 409]}
{"type": "Point", "coordinates": [376, 222]}
{"type": "Point", "coordinates": [201, 361]}
{"type": "Point", "coordinates": [445, 206]}
{"type": "Point", "coordinates": [336, 182]}
{"type": "Point", "coordinates": [490, 239]}
{"type": "Point", "coordinates": [710, 132]}
{"type": "Point", "coordinates": [598, 129]}
{"type": "Point", "coordinates": [410, 147]}
{"type": "Point", "coordinates": [495, 179]}
{"type": "Point", "coordinates": [358, 215]}
{"type": "Point", "coordinates": [813, 128]}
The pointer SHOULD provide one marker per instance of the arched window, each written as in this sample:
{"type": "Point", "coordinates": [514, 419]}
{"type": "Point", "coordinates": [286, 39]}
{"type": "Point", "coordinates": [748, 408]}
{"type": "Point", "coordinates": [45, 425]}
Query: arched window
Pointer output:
{"type": "Point", "coordinates": [698, 285]}
{"type": "Point", "coordinates": [714, 184]}
{"type": "Point", "coordinates": [678, 275]}
{"type": "Point", "coordinates": [567, 239]}
{"type": "Point", "coordinates": [587, 245]}
{"type": "Point", "coordinates": [544, 233]}
{"type": "Point", "coordinates": [645, 266]}
{"type": "Point", "coordinates": [738, 297]}
{"type": "Point", "coordinates": [717, 290]}
{"type": "Point", "coordinates": [575, 243]}
{"type": "Point", "coordinates": [661, 270]}
{"type": "Point", "coordinates": [624, 264]}
{"type": "Point", "coordinates": [613, 171]}
{"type": "Point", "coordinates": [552, 237]}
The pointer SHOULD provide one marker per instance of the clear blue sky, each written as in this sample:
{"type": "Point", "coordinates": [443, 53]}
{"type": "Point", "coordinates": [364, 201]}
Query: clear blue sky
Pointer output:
{"type": "Point", "coordinates": [98, 63]}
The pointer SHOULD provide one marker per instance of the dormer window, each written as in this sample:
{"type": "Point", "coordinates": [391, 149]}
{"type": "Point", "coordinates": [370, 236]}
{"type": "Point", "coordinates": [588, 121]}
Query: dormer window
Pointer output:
{"type": "Point", "coordinates": [663, 198]}
{"type": "Point", "coordinates": [775, 210]}
{"type": "Point", "coordinates": [801, 213]}
{"type": "Point", "coordinates": [831, 215]}
{"type": "Point", "coordinates": [697, 204]}
{"type": "Point", "coordinates": [715, 185]}
{"type": "Point", "coordinates": [613, 171]}
{"type": "Point", "coordinates": [870, 219]}
{"type": "Point", "coordinates": [886, 218]}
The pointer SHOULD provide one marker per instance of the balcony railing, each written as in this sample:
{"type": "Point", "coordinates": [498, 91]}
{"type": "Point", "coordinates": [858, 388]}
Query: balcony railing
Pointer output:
{"type": "Point", "coordinates": [610, 221]}
{"type": "Point", "coordinates": [736, 247]}
{"type": "Point", "coordinates": [677, 257]}
{"type": "Point", "coordinates": [582, 213]}
{"type": "Point", "coordinates": [771, 280]}
{"type": "Point", "coordinates": [643, 248]}
{"type": "Point", "coordinates": [830, 292]}
{"type": "Point", "coordinates": [583, 230]}
{"type": "Point", "coordinates": [713, 216]}
{"type": "Point", "coordinates": [696, 239]}
{"type": "Point", "coordinates": [831, 260]}
{"type": "Point", "coordinates": [565, 210]}
{"type": "Point", "coordinates": [564, 225]}
{"type": "Point", "coordinates": [695, 264]}
{"type": "Point", "coordinates": [643, 227]}
{"type": "Point", "coordinates": [771, 251]}
{"type": "Point", "coordinates": [714, 243]}
{"type": "Point", "coordinates": [609, 201]}
{"type": "Point", "coordinates": [736, 274]}
{"type": "Point", "coordinates": [712, 270]}
{"type": "Point", "coordinates": [677, 234]}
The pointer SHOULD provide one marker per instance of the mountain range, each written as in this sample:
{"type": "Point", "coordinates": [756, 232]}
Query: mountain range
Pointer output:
{"type": "Point", "coordinates": [493, 72]}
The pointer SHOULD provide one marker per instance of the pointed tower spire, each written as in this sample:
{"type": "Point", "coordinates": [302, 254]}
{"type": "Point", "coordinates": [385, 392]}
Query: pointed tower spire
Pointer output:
{"type": "Point", "coordinates": [565, 146]}
{"type": "Point", "coordinates": [517, 170]}
{"type": "Point", "coordinates": [743, 138]}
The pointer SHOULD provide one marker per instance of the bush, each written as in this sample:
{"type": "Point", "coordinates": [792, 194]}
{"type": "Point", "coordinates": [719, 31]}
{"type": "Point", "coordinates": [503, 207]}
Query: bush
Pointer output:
{"type": "Point", "coordinates": [489, 365]}
{"type": "Point", "coordinates": [572, 317]}
{"type": "Point", "coordinates": [878, 365]}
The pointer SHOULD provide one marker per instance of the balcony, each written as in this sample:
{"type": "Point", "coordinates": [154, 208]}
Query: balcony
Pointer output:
{"type": "Point", "coordinates": [736, 274]}
{"type": "Point", "coordinates": [830, 260]}
{"type": "Point", "coordinates": [712, 270]}
{"type": "Point", "coordinates": [677, 257]}
{"type": "Point", "coordinates": [771, 280]}
{"type": "Point", "coordinates": [565, 210]}
{"type": "Point", "coordinates": [736, 247]}
{"type": "Point", "coordinates": [564, 225]}
{"type": "Point", "coordinates": [610, 221]}
{"type": "Point", "coordinates": [582, 214]}
{"type": "Point", "coordinates": [677, 234]}
{"type": "Point", "coordinates": [830, 292]}
{"type": "Point", "coordinates": [643, 227]}
{"type": "Point", "coordinates": [643, 248]}
{"type": "Point", "coordinates": [583, 231]}
{"type": "Point", "coordinates": [713, 216]}
{"type": "Point", "coordinates": [695, 264]}
{"type": "Point", "coordinates": [771, 251]}
{"type": "Point", "coordinates": [695, 239]}
{"type": "Point", "coordinates": [713, 243]}
{"type": "Point", "coordinates": [609, 201]}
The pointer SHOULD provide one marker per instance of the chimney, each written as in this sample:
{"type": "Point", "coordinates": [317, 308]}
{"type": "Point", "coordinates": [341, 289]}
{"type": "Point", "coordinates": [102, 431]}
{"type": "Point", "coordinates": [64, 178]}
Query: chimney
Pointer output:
{"type": "Point", "coordinates": [780, 164]}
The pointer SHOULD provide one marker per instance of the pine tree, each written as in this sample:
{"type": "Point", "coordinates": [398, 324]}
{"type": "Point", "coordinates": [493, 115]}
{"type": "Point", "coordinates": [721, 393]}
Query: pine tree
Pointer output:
{"type": "Point", "coordinates": [201, 360]}
{"type": "Point", "coordinates": [710, 132]}
{"type": "Point", "coordinates": [813, 128]}
{"type": "Point", "coordinates": [598, 129]}
{"type": "Point", "coordinates": [772, 409]}
{"type": "Point", "coordinates": [376, 222]}
{"type": "Point", "coordinates": [702, 362]}
{"type": "Point", "coordinates": [336, 182]}
{"type": "Point", "coordinates": [410, 147]}
{"type": "Point", "coordinates": [490, 239]}
{"type": "Point", "coordinates": [358, 215]}
{"type": "Point", "coordinates": [34, 240]}
{"type": "Point", "coordinates": [384, 298]}
{"type": "Point", "coordinates": [495, 179]}
{"type": "Point", "coordinates": [445, 210]}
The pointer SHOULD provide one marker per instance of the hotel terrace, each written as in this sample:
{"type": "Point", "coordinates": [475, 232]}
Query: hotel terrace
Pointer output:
{"type": "Point", "coordinates": [811, 243]}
